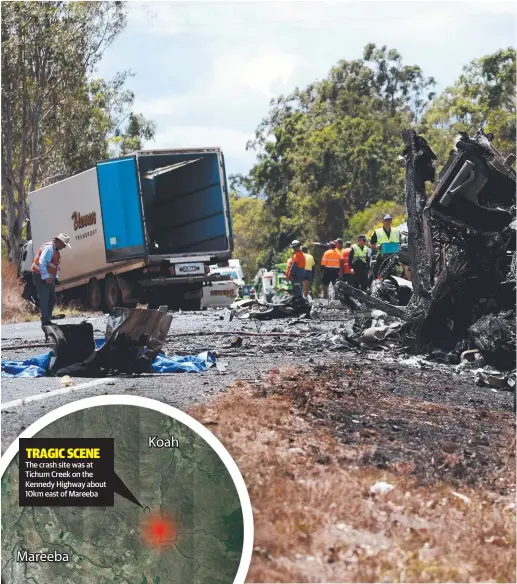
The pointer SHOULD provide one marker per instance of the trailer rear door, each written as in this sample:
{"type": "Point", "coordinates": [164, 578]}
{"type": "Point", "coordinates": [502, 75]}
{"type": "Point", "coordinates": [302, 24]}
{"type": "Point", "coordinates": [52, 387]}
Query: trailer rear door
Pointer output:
{"type": "Point", "coordinates": [186, 204]}
{"type": "Point", "coordinates": [121, 206]}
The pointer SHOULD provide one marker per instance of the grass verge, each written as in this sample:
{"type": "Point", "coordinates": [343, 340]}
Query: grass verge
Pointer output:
{"type": "Point", "coordinates": [316, 519]}
{"type": "Point", "coordinates": [14, 307]}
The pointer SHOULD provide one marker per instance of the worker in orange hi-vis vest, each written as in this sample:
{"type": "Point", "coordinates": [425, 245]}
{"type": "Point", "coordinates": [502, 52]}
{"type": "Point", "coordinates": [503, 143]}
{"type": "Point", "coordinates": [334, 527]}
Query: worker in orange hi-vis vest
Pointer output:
{"type": "Point", "coordinates": [44, 274]}
{"type": "Point", "coordinates": [331, 267]}
{"type": "Point", "coordinates": [339, 245]}
{"type": "Point", "coordinates": [348, 272]}
{"type": "Point", "coordinates": [296, 270]}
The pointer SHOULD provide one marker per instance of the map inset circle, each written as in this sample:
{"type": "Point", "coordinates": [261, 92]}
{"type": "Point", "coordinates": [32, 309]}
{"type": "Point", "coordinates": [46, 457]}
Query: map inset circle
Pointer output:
{"type": "Point", "coordinates": [193, 523]}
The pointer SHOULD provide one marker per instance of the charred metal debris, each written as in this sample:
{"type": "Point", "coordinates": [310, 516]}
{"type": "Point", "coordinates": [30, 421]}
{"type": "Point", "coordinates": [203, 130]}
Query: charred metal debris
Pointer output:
{"type": "Point", "coordinates": [461, 255]}
{"type": "Point", "coordinates": [456, 303]}
{"type": "Point", "coordinates": [133, 339]}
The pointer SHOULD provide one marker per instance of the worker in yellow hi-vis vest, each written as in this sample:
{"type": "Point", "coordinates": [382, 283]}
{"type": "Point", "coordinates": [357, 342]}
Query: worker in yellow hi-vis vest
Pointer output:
{"type": "Point", "coordinates": [385, 234]}
{"type": "Point", "coordinates": [309, 268]}
{"type": "Point", "coordinates": [359, 261]}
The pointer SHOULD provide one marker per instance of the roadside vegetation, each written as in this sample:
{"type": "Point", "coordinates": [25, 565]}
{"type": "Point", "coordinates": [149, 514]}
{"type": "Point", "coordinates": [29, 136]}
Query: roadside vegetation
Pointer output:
{"type": "Point", "coordinates": [14, 307]}
{"type": "Point", "coordinates": [58, 117]}
{"type": "Point", "coordinates": [311, 445]}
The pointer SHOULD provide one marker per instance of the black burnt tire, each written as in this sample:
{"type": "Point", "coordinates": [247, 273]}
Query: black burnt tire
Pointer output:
{"type": "Point", "coordinates": [94, 295]}
{"type": "Point", "coordinates": [112, 294]}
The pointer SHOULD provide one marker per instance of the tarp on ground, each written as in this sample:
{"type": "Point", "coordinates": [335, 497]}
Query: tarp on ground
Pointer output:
{"type": "Point", "coordinates": [33, 367]}
{"type": "Point", "coordinates": [38, 366]}
{"type": "Point", "coordinates": [186, 364]}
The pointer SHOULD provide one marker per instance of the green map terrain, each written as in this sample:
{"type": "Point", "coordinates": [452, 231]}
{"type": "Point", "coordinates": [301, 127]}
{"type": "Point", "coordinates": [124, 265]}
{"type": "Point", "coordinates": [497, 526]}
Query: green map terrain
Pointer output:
{"type": "Point", "coordinates": [105, 544]}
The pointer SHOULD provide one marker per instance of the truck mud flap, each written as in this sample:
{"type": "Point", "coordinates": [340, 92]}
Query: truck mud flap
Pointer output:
{"type": "Point", "coordinates": [193, 294]}
{"type": "Point", "coordinates": [134, 337]}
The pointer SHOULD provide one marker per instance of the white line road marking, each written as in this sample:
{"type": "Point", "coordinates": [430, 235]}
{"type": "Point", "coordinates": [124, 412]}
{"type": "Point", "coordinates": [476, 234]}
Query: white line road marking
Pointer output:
{"type": "Point", "coordinates": [39, 396]}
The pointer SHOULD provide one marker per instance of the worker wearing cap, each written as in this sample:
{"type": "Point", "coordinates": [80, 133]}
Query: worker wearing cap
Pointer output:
{"type": "Point", "coordinates": [44, 274]}
{"type": "Point", "coordinates": [296, 271]}
{"type": "Point", "coordinates": [331, 267]}
{"type": "Point", "coordinates": [309, 265]}
{"type": "Point", "coordinates": [339, 244]}
{"type": "Point", "coordinates": [385, 234]}
{"type": "Point", "coordinates": [358, 259]}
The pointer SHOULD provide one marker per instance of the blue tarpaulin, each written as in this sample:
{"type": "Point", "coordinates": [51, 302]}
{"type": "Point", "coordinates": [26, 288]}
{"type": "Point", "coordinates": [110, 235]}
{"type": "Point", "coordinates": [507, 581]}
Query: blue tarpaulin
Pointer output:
{"type": "Point", "coordinates": [38, 366]}
{"type": "Point", "coordinates": [187, 363]}
{"type": "Point", "coordinates": [33, 367]}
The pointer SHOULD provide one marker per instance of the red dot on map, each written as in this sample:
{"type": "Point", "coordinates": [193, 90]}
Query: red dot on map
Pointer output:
{"type": "Point", "coordinates": [158, 530]}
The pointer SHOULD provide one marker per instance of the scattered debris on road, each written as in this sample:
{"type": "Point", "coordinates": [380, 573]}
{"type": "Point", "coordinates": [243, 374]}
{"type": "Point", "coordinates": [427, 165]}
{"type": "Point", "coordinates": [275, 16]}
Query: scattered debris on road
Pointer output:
{"type": "Point", "coordinates": [262, 310]}
{"type": "Point", "coordinates": [132, 344]}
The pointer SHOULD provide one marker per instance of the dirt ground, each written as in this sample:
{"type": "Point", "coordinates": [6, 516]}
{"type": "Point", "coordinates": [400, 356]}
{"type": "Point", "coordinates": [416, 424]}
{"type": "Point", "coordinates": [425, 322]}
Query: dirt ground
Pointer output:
{"type": "Point", "coordinates": [312, 441]}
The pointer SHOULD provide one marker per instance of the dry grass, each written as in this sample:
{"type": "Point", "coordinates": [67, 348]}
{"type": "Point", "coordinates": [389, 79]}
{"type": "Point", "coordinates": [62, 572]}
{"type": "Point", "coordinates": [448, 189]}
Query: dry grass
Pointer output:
{"type": "Point", "coordinates": [14, 307]}
{"type": "Point", "coordinates": [316, 520]}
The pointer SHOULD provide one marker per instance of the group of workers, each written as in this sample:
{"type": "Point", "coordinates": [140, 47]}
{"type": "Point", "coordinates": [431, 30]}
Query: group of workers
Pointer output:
{"type": "Point", "coordinates": [351, 263]}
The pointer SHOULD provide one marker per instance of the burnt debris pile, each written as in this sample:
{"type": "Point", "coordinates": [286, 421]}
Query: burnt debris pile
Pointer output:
{"type": "Point", "coordinates": [260, 310]}
{"type": "Point", "coordinates": [461, 254]}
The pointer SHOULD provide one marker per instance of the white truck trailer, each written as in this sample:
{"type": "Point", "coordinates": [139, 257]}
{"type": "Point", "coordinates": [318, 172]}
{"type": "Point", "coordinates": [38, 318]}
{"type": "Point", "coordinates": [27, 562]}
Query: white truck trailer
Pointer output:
{"type": "Point", "coordinates": [143, 229]}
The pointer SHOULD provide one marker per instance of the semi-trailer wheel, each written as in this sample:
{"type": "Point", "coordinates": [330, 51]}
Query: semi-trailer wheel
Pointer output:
{"type": "Point", "coordinates": [112, 294]}
{"type": "Point", "coordinates": [94, 294]}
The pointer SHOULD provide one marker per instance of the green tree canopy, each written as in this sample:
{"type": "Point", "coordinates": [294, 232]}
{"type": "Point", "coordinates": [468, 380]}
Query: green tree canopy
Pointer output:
{"type": "Point", "coordinates": [328, 155]}
{"type": "Point", "coordinates": [248, 229]}
{"type": "Point", "coordinates": [366, 221]}
{"type": "Point", "coordinates": [327, 151]}
{"type": "Point", "coordinates": [56, 119]}
{"type": "Point", "coordinates": [483, 96]}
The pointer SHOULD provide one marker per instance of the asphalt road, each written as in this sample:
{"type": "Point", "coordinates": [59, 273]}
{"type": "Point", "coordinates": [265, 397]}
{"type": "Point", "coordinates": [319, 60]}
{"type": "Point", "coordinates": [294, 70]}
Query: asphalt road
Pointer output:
{"type": "Point", "coordinates": [24, 400]}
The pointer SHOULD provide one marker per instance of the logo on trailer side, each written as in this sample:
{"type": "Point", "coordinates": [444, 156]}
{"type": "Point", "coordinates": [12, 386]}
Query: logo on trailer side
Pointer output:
{"type": "Point", "coordinates": [81, 221]}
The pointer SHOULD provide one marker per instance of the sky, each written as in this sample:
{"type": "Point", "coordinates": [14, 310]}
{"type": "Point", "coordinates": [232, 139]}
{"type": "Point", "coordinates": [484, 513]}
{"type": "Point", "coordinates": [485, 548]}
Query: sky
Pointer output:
{"type": "Point", "coordinates": [205, 72]}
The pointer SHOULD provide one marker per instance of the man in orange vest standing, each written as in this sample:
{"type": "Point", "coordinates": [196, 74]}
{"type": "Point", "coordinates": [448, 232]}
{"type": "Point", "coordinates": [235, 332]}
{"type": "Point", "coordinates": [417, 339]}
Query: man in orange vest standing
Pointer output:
{"type": "Point", "coordinates": [348, 272]}
{"type": "Point", "coordinates": [331, 267]}
{"type": "Point", "coordinates": [296, 270]}
{"type": "Point", "coordinates": [339, 245]}
{"type": "Point", "coordinates": [44, 274]}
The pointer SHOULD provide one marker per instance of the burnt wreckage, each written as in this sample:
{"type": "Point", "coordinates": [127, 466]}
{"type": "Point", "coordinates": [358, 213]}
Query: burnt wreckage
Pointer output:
{"type": "Point", "coordinates": [461, 252]}
{"type": "Point", "coordinates": [133, 339]}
